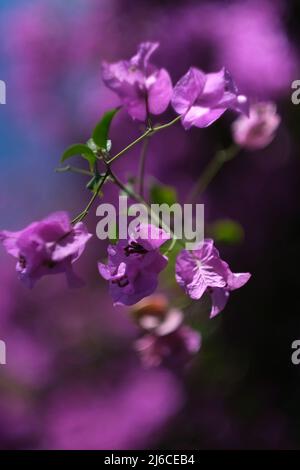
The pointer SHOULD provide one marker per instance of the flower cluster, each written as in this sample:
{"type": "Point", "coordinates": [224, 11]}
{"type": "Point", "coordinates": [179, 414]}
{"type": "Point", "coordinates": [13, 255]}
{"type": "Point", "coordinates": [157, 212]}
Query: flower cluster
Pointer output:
{"type": "Point", "coordinates": [198, 97]}
{"type": "Point", "coordinates": [49, 246]}
{"type": "Point", "coordinates": [52, 245]}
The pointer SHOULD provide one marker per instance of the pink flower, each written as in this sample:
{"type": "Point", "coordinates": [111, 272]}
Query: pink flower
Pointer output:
{"type": "Point", "coordinates": [258, 130]}
{"type": "Point", "coordinates": [134, 264]}
{"type": "Point", "coordinates": [49, 246]}
{"type": "Point", "coordinates": [202, 98]}
{"type": "Point", "coordinates": [140, 85]}
{"type": "Point", "coordinates": [203, 271]}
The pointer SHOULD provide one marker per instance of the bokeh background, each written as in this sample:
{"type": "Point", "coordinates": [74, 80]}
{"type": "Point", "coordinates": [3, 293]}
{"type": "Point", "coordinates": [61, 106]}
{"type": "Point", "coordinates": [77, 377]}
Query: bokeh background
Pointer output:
{"type": "Point", "coordinates": [72, 379]}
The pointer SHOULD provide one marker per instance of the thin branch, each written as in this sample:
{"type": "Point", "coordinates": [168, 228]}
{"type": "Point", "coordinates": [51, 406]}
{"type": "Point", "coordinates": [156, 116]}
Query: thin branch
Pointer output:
{"type": "Point", "coordinates": [73, 169]}
{"type": "Point", "coordinates": [85, 212]}
{"type": "Point", "coordinates": [149, 132]}
{"type": "Point", "coordinates": [141, 173]}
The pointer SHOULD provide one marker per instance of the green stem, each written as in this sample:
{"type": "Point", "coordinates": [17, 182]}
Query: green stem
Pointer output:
{"type": "Point", "coordinates": [139, 139]}
{"type": "Point", "coordinates": [85, 212]}
{"type": "Point", "coordinates": [212, 169]}
{"type": "Point", "coordinates": [168, 124]}
{"type": "Point", "coordinates": [149, 132]}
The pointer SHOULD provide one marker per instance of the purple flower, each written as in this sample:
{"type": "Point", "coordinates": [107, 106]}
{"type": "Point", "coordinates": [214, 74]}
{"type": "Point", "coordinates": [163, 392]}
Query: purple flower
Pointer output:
{"type": "Point", "coordinates": [203, 271]}
{"type": "Point", "coordinates": [134, 264]}
{"type": "Point", "coordinates": [202, 98]}
{"type": "Point", "coordinates": [258, 130]}
{"type": "Point", "coordinates": [175, 348]}
{"type": "Point", "coordinates": [49, 246]}
{"type": "Point", "coordinates": [140, 85]}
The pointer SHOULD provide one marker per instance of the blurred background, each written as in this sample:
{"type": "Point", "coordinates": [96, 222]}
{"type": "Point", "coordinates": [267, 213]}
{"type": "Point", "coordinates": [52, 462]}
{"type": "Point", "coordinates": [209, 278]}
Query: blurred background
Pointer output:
{"type": "Point", "coordinates": [72, 379]}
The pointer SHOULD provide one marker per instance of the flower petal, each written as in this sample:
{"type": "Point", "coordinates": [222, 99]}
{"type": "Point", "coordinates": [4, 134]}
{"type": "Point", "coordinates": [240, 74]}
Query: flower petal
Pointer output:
{"type": "Point", "coordinates": [237, 280]}
{"type": "Point", "coordinates": [219, 298]}
{"type": "Point", "coordinates": [199, 116]}
{"type": "Point", "coordinates": [187, 90]}
{"type": "Point", "coordinates": [159, 91]}
{"type": "Point", "coordinates": [144, 52]}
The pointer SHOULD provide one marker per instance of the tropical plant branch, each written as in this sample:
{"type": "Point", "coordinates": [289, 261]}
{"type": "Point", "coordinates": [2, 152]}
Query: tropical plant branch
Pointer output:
{"type": "Point", "coordinates": [85, 212]}
{"type": "Point", "coordinates": [149, 132]}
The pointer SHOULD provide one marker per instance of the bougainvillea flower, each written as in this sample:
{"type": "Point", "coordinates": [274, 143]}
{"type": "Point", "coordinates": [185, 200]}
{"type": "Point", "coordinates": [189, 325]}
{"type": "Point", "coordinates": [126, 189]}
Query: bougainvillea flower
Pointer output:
{"type": "Point", "coordinates": [203, 271]}
{"type": "Point", "coordinates": [49, 246]}
{"type": "Point", "coordinates": [258, 130]}
{"type": "Point", "coordinates": [173, 349]}
{"type": "Point", "coordinates": [134, 264]}
{"type": "Point", "coordinates": [140, 85]}
{"type": "Point", "coordinates": [202, 98]}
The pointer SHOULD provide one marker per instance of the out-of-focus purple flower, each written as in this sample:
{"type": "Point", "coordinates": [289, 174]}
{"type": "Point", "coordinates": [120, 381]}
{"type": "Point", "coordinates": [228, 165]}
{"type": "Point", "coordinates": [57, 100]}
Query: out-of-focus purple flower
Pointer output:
{"type": "Point", "coordinates": [30, 360]}
{"type": "Point", "coordinates": [202, 98]}
{"type": "Point", "coordinates": [49, 246]}
{"type": "Point", "coordinates": [154, 315]}
{"type": "Point", "coordinates": [134, 264]}
{"type": "Point", "coordinates": [127, 415]}
{"type": "Point", "coordinates": [140, 85]}
{"type": "Point", "coordinates": [202, 270]}
{"type": "Point", "coordinates": [258, 130]}
{"type": "Point", "coordinates": [242, 29]}
{"type": "Point", "coordinates": [175, 348]}
{"type": "Point", "coordinates": [166, 340]}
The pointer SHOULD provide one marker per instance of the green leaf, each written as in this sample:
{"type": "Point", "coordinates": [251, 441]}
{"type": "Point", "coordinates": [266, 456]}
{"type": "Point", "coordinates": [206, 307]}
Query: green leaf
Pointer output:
{"type": "Point", "coordinates": [161, 194]}
{"type": "Point", "coordinates": [227, 231]}
{"type": "Point", "coordinates": [80, 149]}
{"type": "Point", "coordinates": [91, 145]}
{"type": "Point", "coordinates": [101, 131]}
